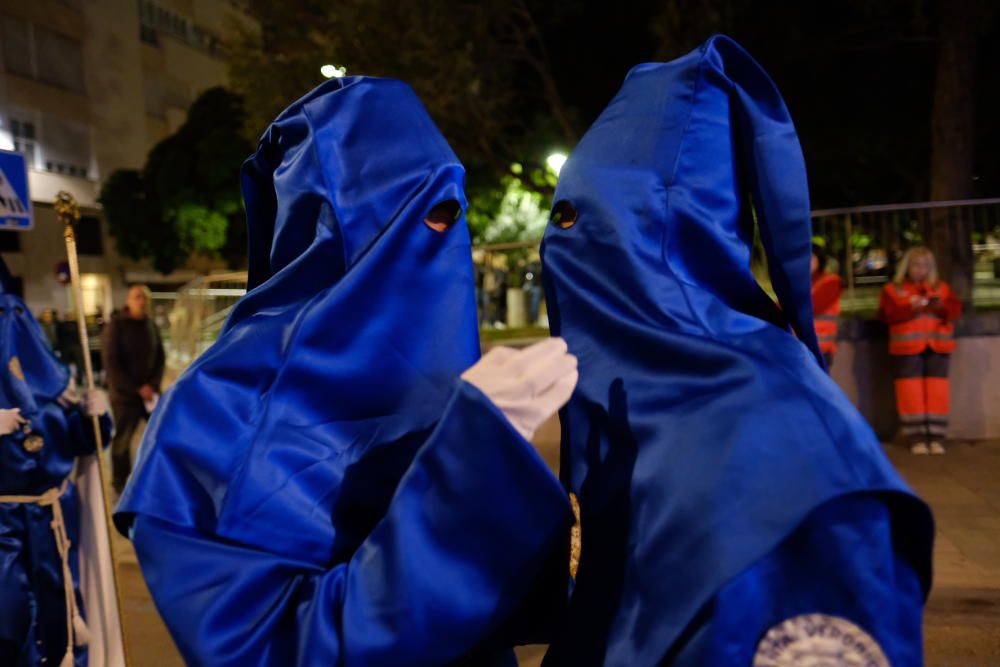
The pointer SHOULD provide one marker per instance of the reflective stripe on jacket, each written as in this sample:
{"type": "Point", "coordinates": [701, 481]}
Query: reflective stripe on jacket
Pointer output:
{"type": "Point", "coordinates": [913, 329]}
{"type": "Point", "coordinates": [826, 290]}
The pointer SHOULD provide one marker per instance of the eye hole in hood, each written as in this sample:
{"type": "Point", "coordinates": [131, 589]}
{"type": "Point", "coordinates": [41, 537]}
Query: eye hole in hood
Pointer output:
{"type": "Point", "coordinates": [443, 215]}
{"type": "Point", "coordinates": [563, 214]}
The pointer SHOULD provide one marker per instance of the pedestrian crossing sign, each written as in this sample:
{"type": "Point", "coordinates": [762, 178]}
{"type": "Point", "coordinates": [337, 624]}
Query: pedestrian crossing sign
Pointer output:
{"type": "Point", "coordinates": [15, 202]}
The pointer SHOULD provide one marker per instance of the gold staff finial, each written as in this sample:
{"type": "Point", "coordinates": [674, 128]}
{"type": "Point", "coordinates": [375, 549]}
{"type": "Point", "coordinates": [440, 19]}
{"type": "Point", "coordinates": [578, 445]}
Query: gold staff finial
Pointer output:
{"type": "Point", "coordinates": [67, 209]}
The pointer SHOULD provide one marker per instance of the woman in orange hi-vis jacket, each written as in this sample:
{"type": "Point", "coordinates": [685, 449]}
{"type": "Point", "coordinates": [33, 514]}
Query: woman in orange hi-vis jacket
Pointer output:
{"type": "Point", "coordinates": [826, 290]}
{"type": "Point", "coordinates": [920, 310]}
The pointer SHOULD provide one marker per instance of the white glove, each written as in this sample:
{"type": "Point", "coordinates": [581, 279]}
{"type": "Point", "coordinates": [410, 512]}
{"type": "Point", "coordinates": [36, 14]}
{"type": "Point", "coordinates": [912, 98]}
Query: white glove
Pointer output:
{"type": "Point", "coordinates": [528, 385]}
{"type": "Point", "coordinates": [11, 420]}
{"type": "Point", "coordinates": [95, 402]}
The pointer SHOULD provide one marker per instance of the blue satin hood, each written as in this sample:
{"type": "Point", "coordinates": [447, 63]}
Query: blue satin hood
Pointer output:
{"type": "Point", "coordinates": [663, 183]}
{"type": "Point", "coordinates": [32, 375]}
{"type": "Point", "coordinates": [358, 320]}
{"type": "Point", "coordinates": [704, 428]}
{"type": "Point", "coordinates": [320, 487]}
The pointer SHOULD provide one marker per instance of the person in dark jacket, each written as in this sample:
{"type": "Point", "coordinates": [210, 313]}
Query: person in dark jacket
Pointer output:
{"type": "Point", "coordinates": [133, 358]}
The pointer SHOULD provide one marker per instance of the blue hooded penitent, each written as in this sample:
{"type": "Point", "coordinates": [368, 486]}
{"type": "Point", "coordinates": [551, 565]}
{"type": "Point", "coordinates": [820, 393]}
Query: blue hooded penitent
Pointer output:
{"type": "Point", "coordinates": [34, 461]}
{"type": "Point", "coordinates": [319, 488]}
{"type": "Point", "coordinates": [726, 484]}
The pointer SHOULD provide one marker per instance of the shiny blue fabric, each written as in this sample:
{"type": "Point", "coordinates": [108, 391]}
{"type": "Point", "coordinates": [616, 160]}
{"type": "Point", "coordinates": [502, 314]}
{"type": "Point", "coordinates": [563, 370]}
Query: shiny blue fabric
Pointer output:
{"type": "Point", "coordinates": [32, 601]}
{"type": "Point", "coordinates": [853, 543]}
{"type": "Point", "coordinates": [704, 429]}
{"type": "Point", "coordinates": [45, 377]}
{"type": "Point", "coordinates": [319, 488]}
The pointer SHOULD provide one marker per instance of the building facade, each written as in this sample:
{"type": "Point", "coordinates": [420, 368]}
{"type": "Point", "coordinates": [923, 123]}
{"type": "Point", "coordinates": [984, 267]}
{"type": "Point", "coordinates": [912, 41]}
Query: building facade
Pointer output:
{"type": "Point", "coordinates": [88, 87]}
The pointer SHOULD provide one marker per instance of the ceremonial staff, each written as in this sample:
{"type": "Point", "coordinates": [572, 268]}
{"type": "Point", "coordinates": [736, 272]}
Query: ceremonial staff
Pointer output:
{"type": "Point", "coordinates": [69, 214]}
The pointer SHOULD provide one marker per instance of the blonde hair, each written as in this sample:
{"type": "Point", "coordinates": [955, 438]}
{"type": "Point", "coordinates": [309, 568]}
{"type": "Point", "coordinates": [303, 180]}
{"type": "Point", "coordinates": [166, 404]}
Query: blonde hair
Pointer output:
{"type": "Point", "coordinates": [904, 265]}
{"type": "Point", "coordinates": [148, 294]}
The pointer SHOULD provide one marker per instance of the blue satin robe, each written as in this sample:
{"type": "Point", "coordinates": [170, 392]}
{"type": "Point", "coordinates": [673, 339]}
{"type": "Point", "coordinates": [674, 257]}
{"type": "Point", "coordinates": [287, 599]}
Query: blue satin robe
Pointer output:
{"type": "Point", "coordinates": [320, 488]}
{"type": "Point", "coordinates": [32, 598]}
{"type": "Point", "coordinates": [442, 541]}
{"type": "Point", "coordinates": [726, 484]}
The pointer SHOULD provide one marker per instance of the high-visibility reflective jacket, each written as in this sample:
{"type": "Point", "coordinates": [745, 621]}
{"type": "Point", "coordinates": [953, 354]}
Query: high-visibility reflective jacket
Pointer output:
{"type": "Point", "coordinates": [912, 328]}
{"type": "Point", "coordinates": [826, 290]}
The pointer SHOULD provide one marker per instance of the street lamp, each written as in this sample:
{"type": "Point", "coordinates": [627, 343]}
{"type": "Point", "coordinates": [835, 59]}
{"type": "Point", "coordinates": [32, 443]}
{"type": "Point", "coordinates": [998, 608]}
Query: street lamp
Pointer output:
{"type": "Point", "coordinates": [332, 71]}
{"type": "Point", "coordinates": [555, 162]}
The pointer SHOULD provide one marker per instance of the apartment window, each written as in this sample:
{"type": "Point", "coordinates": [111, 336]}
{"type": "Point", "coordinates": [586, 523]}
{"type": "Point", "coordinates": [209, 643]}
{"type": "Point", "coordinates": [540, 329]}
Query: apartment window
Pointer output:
{"type": "Point", "coordinates": [23, 134]}
{"type": "Point", "coordinates": [65, 147]}
{"type": "Point", "coordinates": [10, 241]}
{"type": "Point", "coordinates": [154, 19]}
{"type": "Point", "coordinates": [60, 59]}
{"type": "Point", "coordinates": [51, 143]}
{"type": "Point", "coordinates": [17, 47]}
{"type": "Point", "coordinates": [38, 53]}
{"type": "Point", "coordinates": [64, 169]}
{"type": "Point", "coordinates": [88, 236]}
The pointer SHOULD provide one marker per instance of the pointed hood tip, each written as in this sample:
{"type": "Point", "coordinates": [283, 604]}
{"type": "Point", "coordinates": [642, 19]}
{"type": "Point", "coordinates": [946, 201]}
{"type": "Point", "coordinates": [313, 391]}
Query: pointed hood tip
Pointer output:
{"type": "Point", "coordinates": [712, 129]}
{"type": "Point", "coordinates": [318, 154]}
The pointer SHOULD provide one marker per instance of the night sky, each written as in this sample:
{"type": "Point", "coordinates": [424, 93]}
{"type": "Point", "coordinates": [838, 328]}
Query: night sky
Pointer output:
{"type": "Point", "coordinates": [859, 83]}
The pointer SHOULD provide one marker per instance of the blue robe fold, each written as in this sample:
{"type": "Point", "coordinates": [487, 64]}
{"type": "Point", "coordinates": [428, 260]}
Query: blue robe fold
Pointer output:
{"type": "Point", "coordinates": [443, 565]}
{"type": "Point", "coordinates": [319, 488]}
{"type": "Point", "coordinates": [32, 597]}
{"type": "Point", "coordinates": [725, 482]}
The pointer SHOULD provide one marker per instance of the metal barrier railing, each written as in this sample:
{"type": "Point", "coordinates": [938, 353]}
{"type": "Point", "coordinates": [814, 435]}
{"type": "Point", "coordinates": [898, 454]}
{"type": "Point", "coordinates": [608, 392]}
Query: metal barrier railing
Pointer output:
{"type": "Point", "coordinates": [865, 242]}
{"type": "Point", "coordinates": [199, 312]}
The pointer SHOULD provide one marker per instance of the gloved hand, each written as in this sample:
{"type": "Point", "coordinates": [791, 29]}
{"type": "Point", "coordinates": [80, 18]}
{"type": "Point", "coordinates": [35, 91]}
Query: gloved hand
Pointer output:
{"type": "Point", "coordinates": [95, 402]}
{"type": "Point", "coordinates": [528, 385]}
{"type": "Point", "coordinates": [11, 420]}
{"type": "Point", "coordinates": [69, 398]}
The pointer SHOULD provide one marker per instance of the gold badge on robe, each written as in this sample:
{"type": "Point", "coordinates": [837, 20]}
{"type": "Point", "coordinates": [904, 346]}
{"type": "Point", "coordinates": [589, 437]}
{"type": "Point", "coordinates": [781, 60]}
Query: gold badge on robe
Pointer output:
{"type": "Point", "coordinates": [33, 443]}
{"type": "Point", "coordinates": [576, 537]}
{"type": "Point", "coordinates": [14, 365]}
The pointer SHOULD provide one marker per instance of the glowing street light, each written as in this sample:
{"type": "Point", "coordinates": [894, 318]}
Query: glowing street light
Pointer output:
{"type": "Point", "coordinates": [556, 162]}
{"type": "Point", "coordinates": [332, 71]}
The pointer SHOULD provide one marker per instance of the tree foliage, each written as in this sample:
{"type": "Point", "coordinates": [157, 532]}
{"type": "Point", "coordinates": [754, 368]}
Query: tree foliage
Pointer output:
{"type": "Point", "coordinates": [893, 100]}
{"type": "Point", "coordinates": [186, 199]}
{"type": "Point", "coordinates": [512, 80]}
{"type": "Point", "coordinates": [482, 69]}
{"type": "Point", "coordinates": [464, 60]}
{"type": "Point", "coordinates": [517, 210]}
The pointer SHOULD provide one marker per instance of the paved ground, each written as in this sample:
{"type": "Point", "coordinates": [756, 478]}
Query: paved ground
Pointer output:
{"type": "Point", "coordinates": [962, 625]}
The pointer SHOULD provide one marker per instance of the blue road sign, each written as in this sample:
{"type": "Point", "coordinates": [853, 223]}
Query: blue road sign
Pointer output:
{"type": "Point", "coordinates": [15, 201]}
